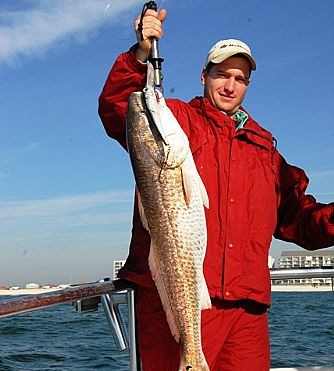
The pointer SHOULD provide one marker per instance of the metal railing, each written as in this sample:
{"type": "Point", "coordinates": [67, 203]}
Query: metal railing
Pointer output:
{"type": "Point", "coordinates": [112, 293]}
{"type": "Point", "coordinates": [109, 293]}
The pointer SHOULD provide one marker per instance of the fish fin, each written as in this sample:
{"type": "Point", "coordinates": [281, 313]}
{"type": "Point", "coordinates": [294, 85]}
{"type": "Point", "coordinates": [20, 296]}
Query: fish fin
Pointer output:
{"type": "Point", "coordinates": [187, 180]}
{"type": "Point", "coordinates": [205, 296]}
{"type": "Point", "coordinates": [155, 271]}
{"type": "Point", "coordinates": [142, 216]}
{"type": "Point", "coordinates": [204, 194]}
{"type": "Point", "coordinates": [188, 169]}
{"type": "Point", "coordinates": [184, 367]}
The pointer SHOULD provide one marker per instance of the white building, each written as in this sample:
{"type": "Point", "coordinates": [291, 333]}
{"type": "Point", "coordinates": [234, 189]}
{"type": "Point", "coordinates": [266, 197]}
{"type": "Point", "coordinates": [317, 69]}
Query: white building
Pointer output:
{"type": "Point", "coordinates": [32, 286]}
{"type": "Point", "coordinates": [117, 265]}
{"type": "Point", "coordinates": [307, 259]}
{"type": "Point", "coordinates": [271, 262]}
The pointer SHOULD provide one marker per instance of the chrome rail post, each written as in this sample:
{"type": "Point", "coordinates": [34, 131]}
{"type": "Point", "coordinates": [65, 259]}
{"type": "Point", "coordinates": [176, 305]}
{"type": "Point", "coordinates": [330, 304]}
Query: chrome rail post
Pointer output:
{"type": "Point", "coordinates": [124, 340]}
{"type": "Point", "coordinates": [132, 329]}
{"type": "Point", "coordinates": [115, 321]}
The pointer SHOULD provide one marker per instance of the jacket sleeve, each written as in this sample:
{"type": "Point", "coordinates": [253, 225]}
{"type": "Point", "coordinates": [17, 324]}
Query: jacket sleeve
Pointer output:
{"type": "Point", "coordinates": [301, 219]}
{"type": "Point", "coordinates": [126, 76]}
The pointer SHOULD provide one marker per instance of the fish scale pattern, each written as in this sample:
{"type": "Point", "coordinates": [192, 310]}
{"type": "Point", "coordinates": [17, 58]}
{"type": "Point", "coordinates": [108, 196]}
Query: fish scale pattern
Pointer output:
{"type": "Point", "coordinates": [177, 230]}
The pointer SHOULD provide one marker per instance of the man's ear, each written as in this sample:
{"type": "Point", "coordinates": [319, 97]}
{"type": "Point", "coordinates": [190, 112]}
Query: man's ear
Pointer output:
{"type": "Point", "coordinates": [203, 76]}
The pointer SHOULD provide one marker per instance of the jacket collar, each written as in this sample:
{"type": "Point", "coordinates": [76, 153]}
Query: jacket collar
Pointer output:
{"type": "Point", "coordinates": [252, 130]}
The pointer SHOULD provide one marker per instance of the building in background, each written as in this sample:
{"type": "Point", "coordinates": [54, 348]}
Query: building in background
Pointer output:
{"type": "Point", "coordinates": [271, 262]}
{"type": "Point", "coordinates": [117, 265]}
{"type": "Point", "coordinates": [306, 259]}
{"type": "Point", "coordinates": [32, 286]}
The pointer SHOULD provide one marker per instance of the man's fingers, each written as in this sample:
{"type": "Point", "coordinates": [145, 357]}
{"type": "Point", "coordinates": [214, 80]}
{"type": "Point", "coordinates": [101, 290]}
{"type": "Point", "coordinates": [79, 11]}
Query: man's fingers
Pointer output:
{"type": "Point", "coordinates": [162, 15]}
{"type": "Point", "coordinates": [151, 27]}
{"type": "Point", "coordinates": [147, 27]}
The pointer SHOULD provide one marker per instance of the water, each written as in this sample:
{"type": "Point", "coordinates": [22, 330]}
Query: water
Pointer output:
{"type": "Point", "coordinates": [58, 338]}
{"type": "Point", "coordinates": [302, 329]}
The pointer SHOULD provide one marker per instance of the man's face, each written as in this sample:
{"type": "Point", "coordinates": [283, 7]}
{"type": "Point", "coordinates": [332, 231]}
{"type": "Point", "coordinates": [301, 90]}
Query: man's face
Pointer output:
{"type": "Point", "coordinates": [225, 84]}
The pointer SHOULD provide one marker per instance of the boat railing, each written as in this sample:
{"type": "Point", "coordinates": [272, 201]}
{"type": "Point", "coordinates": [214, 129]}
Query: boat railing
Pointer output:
{"type": "Point", "coordinates": [86, 298]}
{"type": "Point", "coordinates": [112, 293]}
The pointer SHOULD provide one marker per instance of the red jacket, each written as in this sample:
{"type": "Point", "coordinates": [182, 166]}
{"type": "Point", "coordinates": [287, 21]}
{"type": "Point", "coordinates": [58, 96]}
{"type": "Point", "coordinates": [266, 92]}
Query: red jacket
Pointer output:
{"type": "Point", "coordinates": [253, 193]}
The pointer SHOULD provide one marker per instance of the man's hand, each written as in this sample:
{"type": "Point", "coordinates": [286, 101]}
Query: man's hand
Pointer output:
{"type": "Point", "coordinates": [151, 28]}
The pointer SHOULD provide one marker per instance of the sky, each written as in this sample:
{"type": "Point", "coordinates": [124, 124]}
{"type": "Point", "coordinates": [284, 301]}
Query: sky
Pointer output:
{"type": "Point", "coordinates": [66, 189]}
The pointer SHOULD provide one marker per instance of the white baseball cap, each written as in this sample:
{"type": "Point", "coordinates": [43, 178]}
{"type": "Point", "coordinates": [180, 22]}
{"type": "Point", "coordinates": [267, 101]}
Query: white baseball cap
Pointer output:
{"type": "Point", "coordinates": [224, 49]}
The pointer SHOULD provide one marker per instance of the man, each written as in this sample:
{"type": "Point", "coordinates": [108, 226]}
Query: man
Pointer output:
{"type": "Point", "coordinates": [254, 194]}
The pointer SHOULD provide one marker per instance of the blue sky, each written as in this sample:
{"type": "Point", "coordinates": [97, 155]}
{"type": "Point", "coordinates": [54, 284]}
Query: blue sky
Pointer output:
{"type": "Point", "coordinates": [66, 189]}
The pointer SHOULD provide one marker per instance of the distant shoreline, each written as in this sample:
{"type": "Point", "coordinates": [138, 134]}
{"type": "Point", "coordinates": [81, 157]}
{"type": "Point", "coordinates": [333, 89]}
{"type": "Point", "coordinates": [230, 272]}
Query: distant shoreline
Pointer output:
{"type": "Point", "coordinates": [274, 288]}
{"type": "Point", "coordinates": [17, 292]}
{"type": "Point", "coordinates": [300, 288]}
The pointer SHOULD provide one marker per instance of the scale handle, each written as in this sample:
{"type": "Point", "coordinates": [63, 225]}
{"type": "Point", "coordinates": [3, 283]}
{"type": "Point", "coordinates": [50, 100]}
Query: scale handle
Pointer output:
{"type": "Point", "coordinates": [155, 58]}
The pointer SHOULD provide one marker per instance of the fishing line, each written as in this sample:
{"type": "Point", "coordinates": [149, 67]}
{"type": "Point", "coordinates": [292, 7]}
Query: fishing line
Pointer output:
{"type": "Point", "coordinates": [107, 8]}
{"type": "Point", "coordinates": [125, 32]}
{"type": "Point", "coordinates": [161, 5]}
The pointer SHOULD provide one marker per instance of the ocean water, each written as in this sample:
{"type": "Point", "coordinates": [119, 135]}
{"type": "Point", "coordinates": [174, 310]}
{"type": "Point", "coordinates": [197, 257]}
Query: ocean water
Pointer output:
{"type": "Point", "coordinates": [58, 338]}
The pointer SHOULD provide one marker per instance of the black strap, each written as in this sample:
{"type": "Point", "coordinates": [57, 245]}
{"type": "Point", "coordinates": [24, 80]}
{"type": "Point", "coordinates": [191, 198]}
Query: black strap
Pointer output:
{"type": "Point", "coordinates": [148, 5]}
